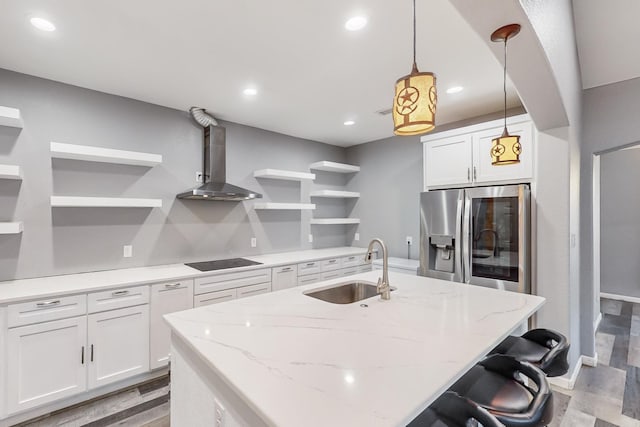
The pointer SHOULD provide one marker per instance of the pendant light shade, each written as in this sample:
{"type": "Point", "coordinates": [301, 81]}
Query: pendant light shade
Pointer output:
{"type": "Point", "coordinates": [506, 149]}
{"type": "Point", "coordinates": [414, 103]}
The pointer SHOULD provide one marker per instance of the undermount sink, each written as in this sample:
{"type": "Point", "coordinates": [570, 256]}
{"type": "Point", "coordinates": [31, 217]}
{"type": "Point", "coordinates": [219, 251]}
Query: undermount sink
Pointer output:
{"type": "Point", "coordinates": [345, 293]}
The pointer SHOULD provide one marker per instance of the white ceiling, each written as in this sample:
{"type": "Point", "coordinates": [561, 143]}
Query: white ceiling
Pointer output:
{"type": "Point", "coordinates": [607, 35]}
{"type": "Point", "coordinates": [311, 73]}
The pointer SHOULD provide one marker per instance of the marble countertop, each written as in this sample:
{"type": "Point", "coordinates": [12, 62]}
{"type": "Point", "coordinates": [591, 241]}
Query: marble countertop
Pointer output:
{"type": "Point", "coordinates": [300, 361]}
{"type": "Point", "coordinates": [44, 287]}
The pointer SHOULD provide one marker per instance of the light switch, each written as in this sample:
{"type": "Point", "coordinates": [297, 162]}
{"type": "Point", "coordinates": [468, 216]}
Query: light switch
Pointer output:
{"type": "Point", "coordinates": [254, 242]}
{"type": "Point", "coordinates": [127, 251]}
{"type": "Point", "coordinates": [310, 238]}
{"type": "Point", "coordinates": [356, 237]}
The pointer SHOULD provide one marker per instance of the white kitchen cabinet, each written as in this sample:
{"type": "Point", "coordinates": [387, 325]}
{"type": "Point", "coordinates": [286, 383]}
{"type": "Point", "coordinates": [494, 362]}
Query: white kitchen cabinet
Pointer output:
{"type": "Point", "coordinates": [462, 157]}
{"type": "Point", "coordinates": [333, 274]}
{"type": "Point", "coordinates": [284, 277]}
{"type": "Point", "coordinates": [448, 161]}
{"type": "Point", "coordinates": [309, 279]}
{"type": "Point", "coordinates": [214, 297]}
{"type": "Point", "coordinates": [118, 344]}
{"type": "Point", "coordinates": [484, 171]}
{"type": "Point", "coordinates": [46, 362]}
{"type": "Point", "coordinates": [165, 298]}
{"type": "Point", "coordinates": [249, 291]}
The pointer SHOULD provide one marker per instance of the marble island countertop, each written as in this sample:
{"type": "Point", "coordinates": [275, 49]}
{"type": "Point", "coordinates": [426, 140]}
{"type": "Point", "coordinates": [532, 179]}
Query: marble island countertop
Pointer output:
{"type": "Point", "coordinates": [298, 361]}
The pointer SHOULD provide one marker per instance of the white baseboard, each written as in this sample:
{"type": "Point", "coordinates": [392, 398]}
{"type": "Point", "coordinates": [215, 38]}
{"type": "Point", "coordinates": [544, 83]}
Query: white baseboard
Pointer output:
{"type": "Point", "coordinates": [590, 361]}
{"type": "Point", "coordinates": [570, 381]}
{"type": "Point", "coordinates": [620, 297]}
{"type": "Point", "coordinates": [596, 324]}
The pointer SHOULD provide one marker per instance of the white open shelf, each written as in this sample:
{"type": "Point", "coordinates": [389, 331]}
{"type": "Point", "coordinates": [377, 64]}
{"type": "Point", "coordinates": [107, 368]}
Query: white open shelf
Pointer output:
{"type": "Point", "coordinates": [10, 227]}
{"type": "Point", "coordinates": [10, 172]}
{"type": "Point", "coordinates": [104, 155]}
{"type": "Point", "coordinates": [284, 206]}
{"type": "Point", "coordinates": [103, 202]}
{"type": "Point", "coordinates": [283, 174]}
{"type": "Point", "coordinates": [10, 117]}
{"type": "Point", "coordinates": [328, 166]}
{"type": "Point", "coordinates": [334, 221]}
{"type": "Point", "coordinates": [335, 194]}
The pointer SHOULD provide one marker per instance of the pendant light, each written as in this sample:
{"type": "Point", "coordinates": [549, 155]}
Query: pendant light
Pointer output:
{"type": "Point", "coordinates": [414, 103]}
{"type": "Point", "coordinates": [506, 149]}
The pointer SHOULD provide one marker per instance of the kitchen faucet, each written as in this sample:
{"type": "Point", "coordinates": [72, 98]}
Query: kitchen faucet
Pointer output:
{"type": "Point", "coordinates": [383, 283]}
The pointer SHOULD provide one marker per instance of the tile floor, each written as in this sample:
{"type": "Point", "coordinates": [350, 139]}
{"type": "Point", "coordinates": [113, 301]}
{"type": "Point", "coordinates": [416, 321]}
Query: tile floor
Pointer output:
{"type": "Point", "coordinates": [605, 396]}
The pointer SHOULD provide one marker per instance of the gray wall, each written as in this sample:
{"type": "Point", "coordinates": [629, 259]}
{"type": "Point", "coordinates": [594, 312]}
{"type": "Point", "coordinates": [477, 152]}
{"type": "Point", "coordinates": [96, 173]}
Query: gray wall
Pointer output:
{"type": "Point", "coordinates": [390, 182]}
{"type": "Point", "coordinates": [620, 223]}
{"type": "Point", "coordinates": [67, 240]}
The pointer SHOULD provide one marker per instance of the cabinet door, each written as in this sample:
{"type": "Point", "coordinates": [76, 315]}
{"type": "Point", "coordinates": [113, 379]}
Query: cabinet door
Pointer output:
{"type": "Point", "coordinates": [484, 171]}
{"type": "Point", "coordinates": [447, 161]}
{"type": "Point", "coordinates": [284, 277]}
{"type": "Point", "coordinates": [118, 344]}
{"type": "Point", "coordinates": [166, 298]}
{"type": "Point", "coordinates": [46, 362]}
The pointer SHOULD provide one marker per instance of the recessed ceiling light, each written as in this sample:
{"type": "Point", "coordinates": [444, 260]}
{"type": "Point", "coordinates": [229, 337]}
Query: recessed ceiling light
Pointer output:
{"type": "Point", "coordinates": [250, 91]}
{"type": "Point", "coordinates": [42, 24]}
{"type": "Point", "coordinates": [356, 23]}
{"type": "Point", "coordinates": [455, 89]}
{"type": "Point", "coordinates": [349, 123]}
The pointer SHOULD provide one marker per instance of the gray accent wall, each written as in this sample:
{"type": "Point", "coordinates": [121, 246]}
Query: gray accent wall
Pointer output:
{"type": "Point", "coordinates": [69, 240]}
{"type": "Point", "coordinates": [620, 223]}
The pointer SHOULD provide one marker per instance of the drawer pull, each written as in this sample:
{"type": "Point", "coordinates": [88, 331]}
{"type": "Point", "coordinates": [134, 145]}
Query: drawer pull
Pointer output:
{"type": "Point", "coordinates": [254, 291]}
{"type": "Point", "coordinates": [172, 285]}
{"type": "Point", "coordinates": [351, 258]}
{"type": "Point", "coordinates": [92, 352]}
{"type": "Point", "coordinates": [286, 269]}
{"type": "Point", "coordinates": [82, 356]}
{"type": "Point", "coordinates": [331, 261]}
{"type": "Point", "coordinates": [120, 293]}
{"type": "Point", "coordinates": [311, 264]}
{"type": "Point", "coordinates": [48, 303]}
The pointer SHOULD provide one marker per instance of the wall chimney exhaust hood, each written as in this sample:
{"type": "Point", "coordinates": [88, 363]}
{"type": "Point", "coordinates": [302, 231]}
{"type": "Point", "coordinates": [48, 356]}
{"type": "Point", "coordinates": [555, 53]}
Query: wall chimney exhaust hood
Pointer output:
{"type": "Point", "coordinates": [215, 187]}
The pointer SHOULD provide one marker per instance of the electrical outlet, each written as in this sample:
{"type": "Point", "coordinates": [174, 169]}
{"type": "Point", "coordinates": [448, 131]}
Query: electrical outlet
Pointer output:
{"type": "Point", "coordinates": [356, 237]}
{"type": "Point", "coordinates": [219, 413]}
{"type": "Point", "coordinates": [199, 177]}
{"type": "Point", "coordinates": [127, 251]}
{"type": "Point", "coordinates": [310, 238]}
{"type": "Point", "coordinates": [254, 242]}
{"type": "Point", "coordinates": [409, 240]}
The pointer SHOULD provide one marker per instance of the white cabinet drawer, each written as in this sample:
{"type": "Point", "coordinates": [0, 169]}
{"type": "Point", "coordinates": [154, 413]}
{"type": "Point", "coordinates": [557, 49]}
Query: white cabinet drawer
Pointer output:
{"type": "Point", "coordinates": [309, 279]}
{"type": "Point", "coordinates": [364, 268]}
{"type": "Point", "coordinates": [352, 261]}
{"type": "Point", "coordinates": [285, 269]}
{"type": "Point", "coordinates": [249, 291]}
{"type": "Point", "coordinates": [214, 297]}
{"type": "Point", "coordinates": [349, 271]}
{"type": "Point", "coordinates": [171, 286]}
{"type": "Point", "coordinates": [310, 267]}
{"type": "Point", "coordinates": [284, 277]}
{"type": "Point", "coordinates": [118, 298]}
{"type": "Point", "coordinates": [54, 308]}
{"type": "Point", "coordinates": [331, 264]}
{"type": "Point", "coordinates": [331, 274]}
{"type": "Point", "coordinates": [232, 280]}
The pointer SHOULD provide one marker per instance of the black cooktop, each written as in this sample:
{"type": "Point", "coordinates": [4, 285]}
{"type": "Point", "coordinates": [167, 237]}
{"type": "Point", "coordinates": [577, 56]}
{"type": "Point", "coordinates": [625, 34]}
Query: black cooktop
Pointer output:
{"type": "Point", "coordinates": [221, 264]}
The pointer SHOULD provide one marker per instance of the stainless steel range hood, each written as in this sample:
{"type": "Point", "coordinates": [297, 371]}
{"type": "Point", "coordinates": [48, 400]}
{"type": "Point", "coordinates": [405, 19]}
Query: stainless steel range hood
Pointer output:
{"type": "Point", "coordinates": [215, 187]}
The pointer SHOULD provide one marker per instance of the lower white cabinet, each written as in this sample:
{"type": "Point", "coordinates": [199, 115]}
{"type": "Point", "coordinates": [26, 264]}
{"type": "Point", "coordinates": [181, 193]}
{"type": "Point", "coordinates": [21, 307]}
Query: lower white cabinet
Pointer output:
{"type": "Point", "coordinates": [165, 298]}
{"type": "Point", "coordinates": [118, 344]}
{"type": "Point", "coordinates": [249, 291]}
{"type": "Point", "coordinates": [46, 362]}
{"type": "Point", "coordinates": [284, 277]}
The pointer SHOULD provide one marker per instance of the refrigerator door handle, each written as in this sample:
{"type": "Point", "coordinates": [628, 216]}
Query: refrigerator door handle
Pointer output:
{"type": "Point", "coordinates": [459, 272]}
{"type": "Point", "coordinates": [466, 239]}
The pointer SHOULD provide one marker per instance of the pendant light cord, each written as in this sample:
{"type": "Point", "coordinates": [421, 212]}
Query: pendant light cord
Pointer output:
{"type": "Point", "coordinates": [414, 34]}
{"type": "Point", "coordinates": [504, 83]}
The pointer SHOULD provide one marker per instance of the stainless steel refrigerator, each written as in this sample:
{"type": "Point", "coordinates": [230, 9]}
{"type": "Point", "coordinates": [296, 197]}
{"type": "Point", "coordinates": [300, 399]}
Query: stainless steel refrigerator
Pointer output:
{"type": "Point", "coordinates": [478, 235]}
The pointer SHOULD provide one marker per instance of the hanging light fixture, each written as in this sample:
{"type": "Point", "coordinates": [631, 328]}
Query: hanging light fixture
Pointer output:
{"type": "Point", "coordinates": [414, 103]}
{"type": "Point", "coordinates": [506, 149]}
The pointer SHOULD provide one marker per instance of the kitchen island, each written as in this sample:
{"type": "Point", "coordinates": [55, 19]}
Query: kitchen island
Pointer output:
{"type": "Point", "coordinates": [286, 359]}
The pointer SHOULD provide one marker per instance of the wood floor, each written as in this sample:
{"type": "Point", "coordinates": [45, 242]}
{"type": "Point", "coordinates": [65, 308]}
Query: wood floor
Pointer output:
{"type": "Point", "coordinates": [605, 396]}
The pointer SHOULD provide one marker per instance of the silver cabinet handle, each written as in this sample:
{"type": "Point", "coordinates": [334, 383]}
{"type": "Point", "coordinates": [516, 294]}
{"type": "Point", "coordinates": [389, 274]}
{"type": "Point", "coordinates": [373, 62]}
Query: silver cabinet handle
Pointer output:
{"type": "Point", "coordinates": [311, 264]}
{"type": "Point", "coordinates": [172, 285]}
{"type": "Point", "coordinates": [474, 173]}
{"type": "Point", "coordinates": [351, 258]}
{"type": "Point", "coordinates": [331, 261]}
{"type": "Point", "coordinates": [254, 291]}
{"type": "Point", "coordinates": [92, 352]}
{"type": "Point", "coordinates": [48, 303]}
{"type": "Point", "coordinates": [286, 269]}
{"type": "Point", "coordinates": [119, 293]}
{"type": "Point", "coordinates": [468, 174]}
{"type": "Point", "coordinates": [82, 355]}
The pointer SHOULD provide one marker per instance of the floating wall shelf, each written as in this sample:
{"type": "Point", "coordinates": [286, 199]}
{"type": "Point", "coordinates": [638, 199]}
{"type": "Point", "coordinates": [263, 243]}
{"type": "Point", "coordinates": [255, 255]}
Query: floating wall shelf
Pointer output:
{"type": "Point", "coordinates": [334, 221]}
{"type": "Point", "coordinates": [10, 227]}
{"type": "Point", "coordinates": [11, 117]}
{"type": "Point", "coordinates": [334, 167]}
{"type": "Point", "coordinates": [103, 202]}
{"type": "Point", "coordinates": [10, 172]}
{"type": "Point", "coordinates": [283, 174]}
{"type": "Point", "coordinates": [284, 206]}
{"type": "Point", "coordinates": [335, 194]}
{"type": "Point", "coordinates": [103, 155]}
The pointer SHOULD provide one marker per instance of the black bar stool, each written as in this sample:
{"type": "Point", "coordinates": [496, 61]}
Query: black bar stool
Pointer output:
{"type": "Point", "coordinates": [497, 384]}
{"type": "Point", "coordinates": [451, 410]}
{"type": "Point", "coordinates": [544, 348]}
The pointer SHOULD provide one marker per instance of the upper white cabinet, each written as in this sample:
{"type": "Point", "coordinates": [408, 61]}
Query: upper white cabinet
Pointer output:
{"type": "Point", "coordinates": [462, 157]}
